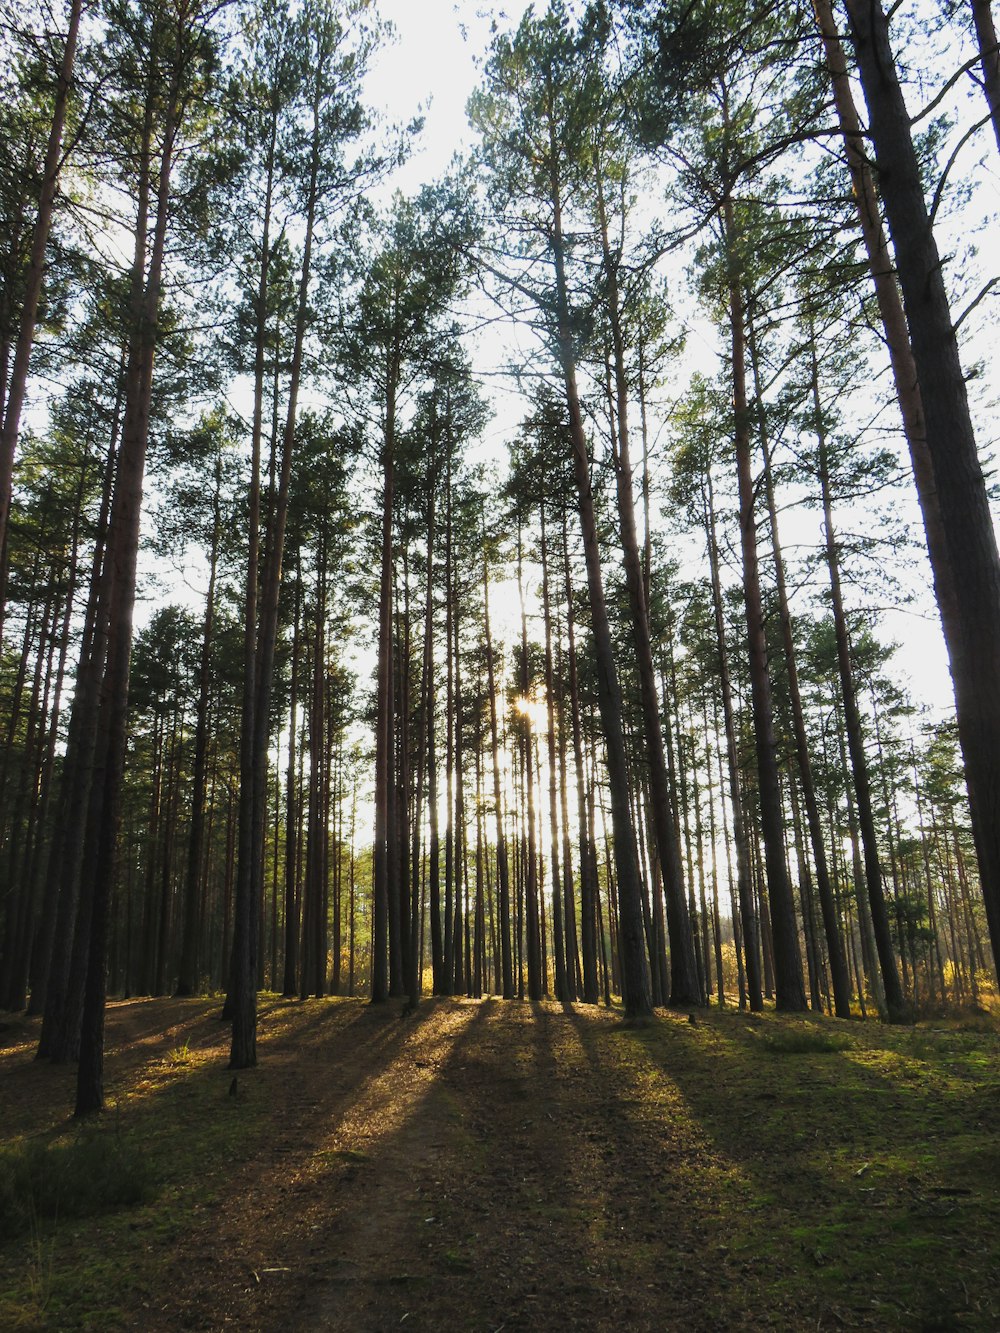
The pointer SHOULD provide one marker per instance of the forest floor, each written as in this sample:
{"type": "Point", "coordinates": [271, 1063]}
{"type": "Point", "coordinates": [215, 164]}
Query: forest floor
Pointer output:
{"type": "Point", "coordinates": [485, 1166]}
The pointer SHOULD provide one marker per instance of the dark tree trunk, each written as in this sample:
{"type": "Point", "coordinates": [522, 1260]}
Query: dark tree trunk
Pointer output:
{"type": "Point", "coordinates": [559, 948]}
{"type": "Point", "coordinates": [122, 554]}
{"type": "Point", "coordinates": [974, 640]}
{"type": "Point", "coordinates": [574, 981]}
{"type": "Point", "coordinates": [790, 992]}
{"type": "Point", "coordinates": [187, 982]}
{"type": "Point", "coordinates": [292, 962]}
{"type": "Point", "coordinates": [15, 388]}
{"type": "Point", "coordinates": [384, 889]}
{"type": "Point", "coordinates": [751, 947]}
{"type": "Point", "coordinates": [828, 907]}
{"type": "Point", "coordinates": [684, 986]}
{"type": "Point", "coordinates": [503, 872]}
{"type": "Point", "coordinates": [635, 968]}
{"type": "Point", "coordinates": [584, 814]}
{"type": "Point", "coordinates": [855, 740]}
{"type": "Point", "coordinates": [241, 954]}
{"type": "Point", "coordinates": [989, 59]}
{"type": "Point", "coordinates": [789, 989]}
{"type": "Point", "coordinates": [533, 938]}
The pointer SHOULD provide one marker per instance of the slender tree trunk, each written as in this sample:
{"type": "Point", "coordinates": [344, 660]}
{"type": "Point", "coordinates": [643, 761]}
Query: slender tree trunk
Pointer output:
{"type": "Point", "coordinates": [292, 961]}
{"type": "Point", "coordinates": [974, 639]}
{"type": "Point", "coordinates": [434, 835]}
{"type": "Point", "coordinates": [52, 165]}
{"type": "Point", "coordinates": [58, 1038]}
{"type": "Point", "coordinates": [459, 861]}
{"type": "Point", "coordinates": [559, 948]}
{"type": "Point", "coordinates": [503, 872]}
{"type": "Point", "coordinates": [828, 907]}
{"type": "Point", "coordinates": [313, 954]}
{"type": "Point", "coordinates": [684, 986]}
{"type": "Point", "coordinates": [635, 968]}
{"type": "Point", "coordinates": [242, 934]}
{"type": "Point", "coordinates": [789, 989]}
{"type": "Point", "coordinates": [399, 906]}
{"type": "Point", "coordinates": [531, 915]}
{"type": "Point", "coordinates": [855, 740]}
{"type": "Point", "coordinates": [573, 976]}
{"type": "Point", "coordinates": [748, 923]}
{"type": "Point", "coordinates": [584, 815]}
{"type": "Point", "coordinates": [122, 553]}
{"type": "Point", "coordinates": [989, 56]}
{"type": "Point", "coordinates": [35, 937]}
{"type": "Point", "coordinates": [383, 748]}
{"type": "Point", "coordinates": [187, 983]}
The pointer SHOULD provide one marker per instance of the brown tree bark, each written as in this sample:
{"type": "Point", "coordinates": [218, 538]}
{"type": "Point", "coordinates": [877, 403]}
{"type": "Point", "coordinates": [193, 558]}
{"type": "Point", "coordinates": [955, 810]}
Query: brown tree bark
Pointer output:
{"type": "Point", "coordinates": [684, 985]}
{"type": "Point", "coordinates": [974, 639]}
{"type": "Point", "coordinates": [17, 384]}
{"type": "Point", "coordinates": [789, 989]}
{"type": "Point", "coordinates": [503, 871]}
{"type": "Point", "coordinates": [635, 968]}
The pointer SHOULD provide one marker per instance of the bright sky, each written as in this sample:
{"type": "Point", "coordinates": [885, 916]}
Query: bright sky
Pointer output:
{"type": "Point", "coordinates": [432, 66]}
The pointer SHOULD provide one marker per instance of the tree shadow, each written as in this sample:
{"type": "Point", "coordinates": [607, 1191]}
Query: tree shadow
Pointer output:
{"type": "Point", "coordinates": [840, 1158]}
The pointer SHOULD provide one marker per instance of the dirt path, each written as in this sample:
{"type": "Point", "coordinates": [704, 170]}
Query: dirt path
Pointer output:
{"type": "Point", "coordinates": [477, 1167]}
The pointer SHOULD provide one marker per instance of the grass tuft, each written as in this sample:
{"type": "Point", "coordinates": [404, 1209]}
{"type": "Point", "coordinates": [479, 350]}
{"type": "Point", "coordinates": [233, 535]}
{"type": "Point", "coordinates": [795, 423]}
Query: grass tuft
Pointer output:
{"type": "Point", "coordinates": [179, 1056]}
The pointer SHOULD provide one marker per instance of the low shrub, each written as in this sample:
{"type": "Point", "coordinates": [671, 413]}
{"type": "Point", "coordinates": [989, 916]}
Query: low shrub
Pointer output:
{"type": "Point", "coordinates": [93, 1173]}
{"type": "Point", "coordinates": [804, 1041]}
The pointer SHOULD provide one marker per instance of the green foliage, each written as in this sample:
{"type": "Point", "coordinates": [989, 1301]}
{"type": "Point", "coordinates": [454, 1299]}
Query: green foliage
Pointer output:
{"type": "Point", "coordinates": [95, 1172]}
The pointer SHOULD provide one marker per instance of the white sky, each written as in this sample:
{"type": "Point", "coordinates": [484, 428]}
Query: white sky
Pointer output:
{"type": "Point", "coordinates": [431, 66]}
